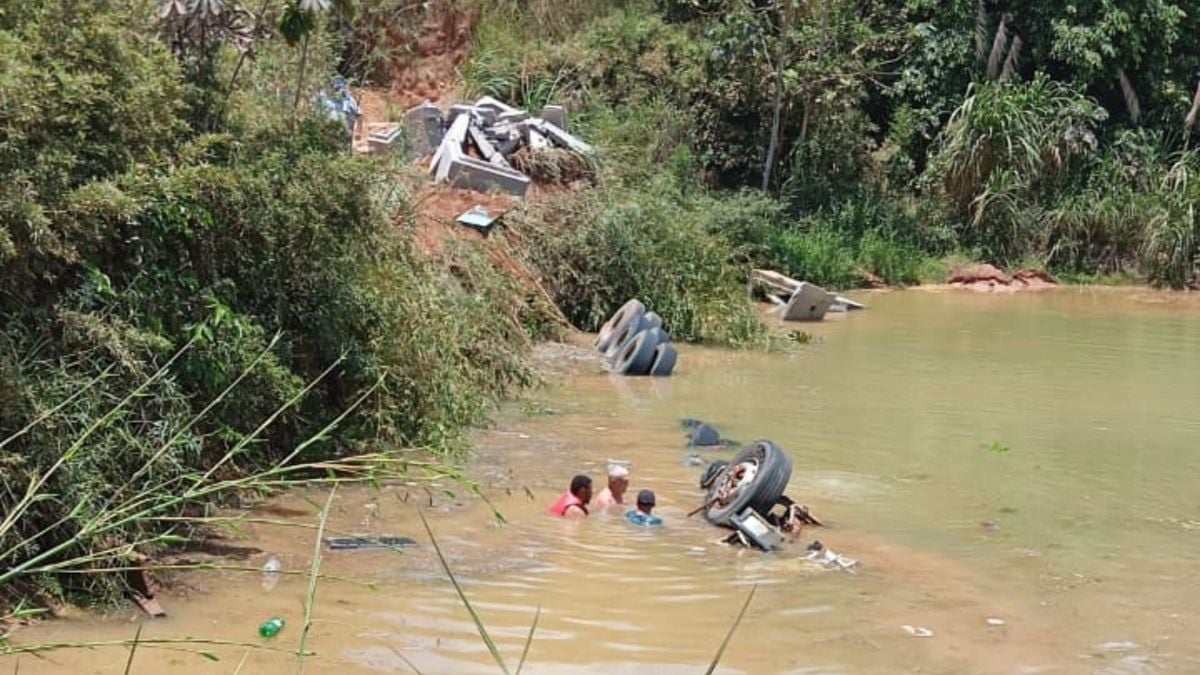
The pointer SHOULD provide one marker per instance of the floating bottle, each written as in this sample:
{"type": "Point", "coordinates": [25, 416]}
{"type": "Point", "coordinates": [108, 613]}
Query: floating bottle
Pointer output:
{"type": "Point", "coordinates": [271, 627]}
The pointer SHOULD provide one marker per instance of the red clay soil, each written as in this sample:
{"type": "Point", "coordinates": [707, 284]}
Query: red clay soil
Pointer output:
{"type": "Point", "coordinates": [431, 73]}
{"type": "Point", "coordinates": [986, 278]}
{"type": "Point", "coordinates": [438, 207]}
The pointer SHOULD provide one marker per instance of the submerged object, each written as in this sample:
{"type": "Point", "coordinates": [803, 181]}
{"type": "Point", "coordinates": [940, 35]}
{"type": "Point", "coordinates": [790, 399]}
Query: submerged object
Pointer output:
{"type": "Point", "coordinates": [358, 543]}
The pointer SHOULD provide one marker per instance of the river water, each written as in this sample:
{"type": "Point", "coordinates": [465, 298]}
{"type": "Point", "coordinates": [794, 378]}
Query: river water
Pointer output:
{"type": "Point", "coordinates": [1030, 459]}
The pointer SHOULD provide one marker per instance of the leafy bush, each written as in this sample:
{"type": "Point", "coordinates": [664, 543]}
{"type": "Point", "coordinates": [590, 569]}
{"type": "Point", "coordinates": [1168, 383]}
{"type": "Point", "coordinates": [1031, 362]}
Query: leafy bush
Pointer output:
{"type": "Point", "coordinates": [597, 250]}
{"type": "Point", "coordinates": [237, 290]}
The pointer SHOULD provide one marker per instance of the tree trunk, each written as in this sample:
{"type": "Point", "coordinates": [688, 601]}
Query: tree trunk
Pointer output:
{"type": "Point", "coordinates": [781, 54]}
{"type": "Point", "coordinates": [300, 80]}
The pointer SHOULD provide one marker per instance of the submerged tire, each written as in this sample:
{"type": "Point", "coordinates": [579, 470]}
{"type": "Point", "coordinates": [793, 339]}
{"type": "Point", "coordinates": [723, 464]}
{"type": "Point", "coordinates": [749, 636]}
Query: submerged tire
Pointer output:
{"type": "Point", "coordinates": [616, 323]}
{"type": "Point", "coordinates": [652, 320]}
{"type": "Point", "coordinates": [761, 493]}
{"type": "Point", "coordinates": [712, 472]}
{"type": "Point", "coordinates": [622, 334]}
{"type": "Point", "coordinates": [664, 360]}
{"type": "Point", "coordinates": [638, 354]}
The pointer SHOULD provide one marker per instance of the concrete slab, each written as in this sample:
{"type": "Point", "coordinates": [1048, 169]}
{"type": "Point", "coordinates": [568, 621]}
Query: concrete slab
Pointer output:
{"type": "Point", "coordinates": [808, 303]}
{"type": "Point", "coordinates": [424, 124]}
{"type": "Point", "coordinates": [560, 137]}
{"type": "Point", "coordinates": [471, 173]}
{"type": "Point", "coordinates": [537, 141]}
{"type": "Point", "coordinates": [485, 147]}
{"type": "Point", "coordinates": [509, 145]}
{"type": "Point", "coordinates": [496, 104]}
{"type": "Point", "coordinates": [556, 115]}
{"type": "Point", "coordinates": [451, 147]}
{"type": "Point", "coordinates": [383, 138]}
{"type": "Point", "coordinates": [512, 117]}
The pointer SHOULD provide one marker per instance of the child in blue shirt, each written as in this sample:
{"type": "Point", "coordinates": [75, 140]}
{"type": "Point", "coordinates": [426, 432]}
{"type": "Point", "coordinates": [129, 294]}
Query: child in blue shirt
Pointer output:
{"type": "Point", "coordinates": [642, 516]}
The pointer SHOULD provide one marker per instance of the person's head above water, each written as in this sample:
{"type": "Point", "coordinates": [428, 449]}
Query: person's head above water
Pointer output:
{"type": "Point", "coordinates": [645, 501]}
{"type": "Point", "coordinates": [581, 487]}
{"type": "Point", "coordinates": [618, 479]}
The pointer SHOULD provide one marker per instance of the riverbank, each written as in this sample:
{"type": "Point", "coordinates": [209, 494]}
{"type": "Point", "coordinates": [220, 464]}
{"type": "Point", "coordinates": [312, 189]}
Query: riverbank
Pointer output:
{"type": "Point", "coordinates": [889, 416]}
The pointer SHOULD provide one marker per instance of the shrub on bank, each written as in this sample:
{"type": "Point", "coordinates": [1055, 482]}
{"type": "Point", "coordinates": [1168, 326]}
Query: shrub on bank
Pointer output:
{"type": "Point", "coordinates": [599, 248]}
{"type": "Point", "coordinates": [174, 301]}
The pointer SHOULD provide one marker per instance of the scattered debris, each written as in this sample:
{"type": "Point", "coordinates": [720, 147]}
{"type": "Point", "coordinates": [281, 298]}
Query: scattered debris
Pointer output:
{"type": "Point", "coordinates": [703, 435]}
{"type": "Point", "coordinates": [272, 570]}
{"type": "Point", "coordinates": [829, 558]}
{"type": "Point", "coordinates": [479, 218]}
{"type": "Point", "coordinates": [150, 606]}
{"type": "Point", "coordinates": [800, 300]}
{"type": "Point", "coordinates": [1116, 646]}
{"type": "Point", "coordinates": [383, 137]}
{"type": "Point", "coordinates": [756, 530]}
{"type": "Point", "coordinates": [917, 631]}
{"type": "Point", "coordinates": [271, 627]}
{"type": "Point", "coordinates": [361, 543]}
{"type": "Point", "coordinates": [472, 144]}
{"type": "Point", "coordinates": [143, 589]}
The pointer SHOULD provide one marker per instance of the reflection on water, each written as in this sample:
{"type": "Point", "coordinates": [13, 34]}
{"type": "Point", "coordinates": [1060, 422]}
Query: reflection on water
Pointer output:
{"type": "Point", "coordinates": [1078, 538]}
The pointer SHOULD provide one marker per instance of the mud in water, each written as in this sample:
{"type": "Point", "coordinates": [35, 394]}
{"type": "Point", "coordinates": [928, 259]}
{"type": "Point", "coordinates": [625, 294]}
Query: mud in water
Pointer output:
{"type": "Point", "coordinates": [1029, 459]}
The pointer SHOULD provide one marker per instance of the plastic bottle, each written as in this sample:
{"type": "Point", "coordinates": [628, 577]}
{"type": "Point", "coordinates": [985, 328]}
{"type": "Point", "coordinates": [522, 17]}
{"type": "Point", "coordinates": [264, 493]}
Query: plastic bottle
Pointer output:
{"type": "Point", "coordinates": [271, 627]}
{"type": "Point", "coordinates": [271, 573]}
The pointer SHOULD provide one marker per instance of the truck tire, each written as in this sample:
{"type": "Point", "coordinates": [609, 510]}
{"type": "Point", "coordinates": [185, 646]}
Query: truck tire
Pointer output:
{"type": "Point", "coordinates": [774, 470]}
{"type": "Point", "coordinates": [624, 332]}
{"type": "Point", "coordinates": [664, 360]}
{"type": "Point", "coordinates": [616, 323]}
{"type": "Point", "coordinates": [652, 320]}
{"type": "Point", "coordinates": [638, 354]}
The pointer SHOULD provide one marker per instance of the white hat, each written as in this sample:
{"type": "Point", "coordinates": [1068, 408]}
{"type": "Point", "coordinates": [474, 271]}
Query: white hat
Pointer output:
{"type": "Point", "coordinates": [618, 470]}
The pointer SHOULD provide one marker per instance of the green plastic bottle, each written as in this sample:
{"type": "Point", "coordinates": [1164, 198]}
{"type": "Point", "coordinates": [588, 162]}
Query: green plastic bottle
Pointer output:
{"type": "Point", "coordinates": [271, 627]}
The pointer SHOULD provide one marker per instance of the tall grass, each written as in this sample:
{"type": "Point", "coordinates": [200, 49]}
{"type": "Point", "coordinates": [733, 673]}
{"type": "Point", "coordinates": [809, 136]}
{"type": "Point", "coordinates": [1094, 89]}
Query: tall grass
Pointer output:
{"type": "Point", "coordinates": [155, 512]}
{"type": "Point", "coordinates": [712, 667]}
{"type": "Point", "coordinates": [311, 597]}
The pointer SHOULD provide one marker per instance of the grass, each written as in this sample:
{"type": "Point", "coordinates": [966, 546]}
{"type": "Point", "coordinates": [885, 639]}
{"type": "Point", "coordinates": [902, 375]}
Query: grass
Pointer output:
{"type": "Point", "coordinates": [314, 575]}
{"type": "Point", "coordinates": [154, 512]}
{"type": "Point", "coordinates": [712, 667]}
{"type": "Point", "coordinates": [483, 631]}
{"type": "Point", "coordinates": [133, 648]}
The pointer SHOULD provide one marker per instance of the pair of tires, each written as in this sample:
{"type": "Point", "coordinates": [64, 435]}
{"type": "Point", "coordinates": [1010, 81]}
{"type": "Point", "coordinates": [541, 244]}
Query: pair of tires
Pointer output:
{"type": "Point", "coordinates": [634, 342]}
{"type": "Point", "coordinates": [756, 477]}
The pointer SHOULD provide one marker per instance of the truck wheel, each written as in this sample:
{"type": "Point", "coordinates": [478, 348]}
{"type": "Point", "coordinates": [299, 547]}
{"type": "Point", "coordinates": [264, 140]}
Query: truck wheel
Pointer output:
{"type": "Point", "coordinates": [736, 489]}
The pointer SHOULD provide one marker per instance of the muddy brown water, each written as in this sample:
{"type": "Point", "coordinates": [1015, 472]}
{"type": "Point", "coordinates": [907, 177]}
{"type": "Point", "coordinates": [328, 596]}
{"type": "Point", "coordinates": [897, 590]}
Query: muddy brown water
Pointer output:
{"type": "Point", "coordinates": [1083, 537]}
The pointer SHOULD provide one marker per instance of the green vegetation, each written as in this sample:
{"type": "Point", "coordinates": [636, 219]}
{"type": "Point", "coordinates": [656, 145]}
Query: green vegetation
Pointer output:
{"type": "Point", "coordinates": [877, 138]}
{"type": "Point", "coordinates": [202, 293]}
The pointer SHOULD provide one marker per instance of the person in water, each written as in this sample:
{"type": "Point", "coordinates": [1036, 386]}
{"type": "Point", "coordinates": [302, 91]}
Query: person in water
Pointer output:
{"type": "Point", "coordinates": [574, 503]}
{"type": "Point", "coordinates": [618, 483]}
{"type": "Point", "coordinates": [642, 515]}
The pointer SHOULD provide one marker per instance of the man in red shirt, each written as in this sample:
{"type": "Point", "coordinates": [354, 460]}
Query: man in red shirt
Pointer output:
{"type": "Point", "coordinates": [573, 504]}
